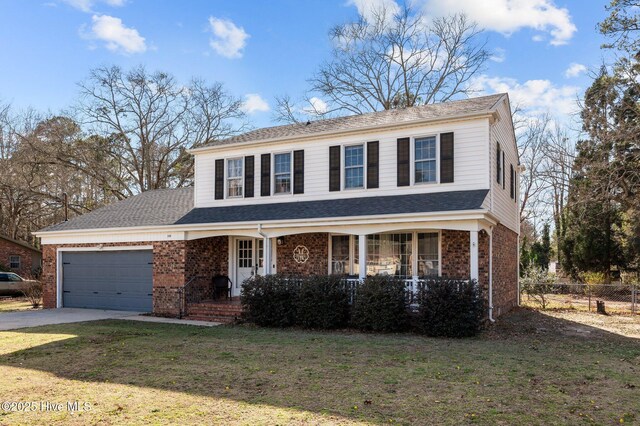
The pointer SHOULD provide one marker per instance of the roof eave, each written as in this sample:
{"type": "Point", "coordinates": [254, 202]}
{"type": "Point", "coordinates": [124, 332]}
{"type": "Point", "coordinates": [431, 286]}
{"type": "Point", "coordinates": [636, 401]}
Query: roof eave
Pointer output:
{"type": "Point", "coordinates": [470, 214]}
{"type": "Point", "coordinates": [491, 113]}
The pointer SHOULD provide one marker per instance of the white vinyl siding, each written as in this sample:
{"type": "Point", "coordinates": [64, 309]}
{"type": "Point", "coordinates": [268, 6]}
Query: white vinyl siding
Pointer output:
{"type": "Point", "coordinates": [501, 204]}
{"type": "Point", "coordinates": [471, 164]}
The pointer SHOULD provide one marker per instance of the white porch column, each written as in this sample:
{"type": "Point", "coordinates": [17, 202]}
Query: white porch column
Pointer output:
{"type": "Point", "coordinates": [362, 255]}
{"type": "Point", "coordinates": [473, 255]}
{"type": "Point", "coordinates": [267, 255]}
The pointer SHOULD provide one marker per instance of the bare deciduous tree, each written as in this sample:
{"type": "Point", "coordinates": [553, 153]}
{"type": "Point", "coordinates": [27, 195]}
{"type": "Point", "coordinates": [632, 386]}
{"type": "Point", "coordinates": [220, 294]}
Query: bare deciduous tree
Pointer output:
{"type": "Point", "coordinates": [398, 61]}
{"type": "Point", "coordinates": [147, 121]}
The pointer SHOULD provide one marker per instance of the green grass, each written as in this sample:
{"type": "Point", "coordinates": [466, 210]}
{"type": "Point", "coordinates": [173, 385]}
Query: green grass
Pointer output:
{"type": "Point", "coordinates": [530, 369]}
{"type": "Point", "coordinates": [12, 304]}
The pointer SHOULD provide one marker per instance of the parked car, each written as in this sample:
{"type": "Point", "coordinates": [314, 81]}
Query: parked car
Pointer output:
{"type": "Point", "coordinates": [12, 284]}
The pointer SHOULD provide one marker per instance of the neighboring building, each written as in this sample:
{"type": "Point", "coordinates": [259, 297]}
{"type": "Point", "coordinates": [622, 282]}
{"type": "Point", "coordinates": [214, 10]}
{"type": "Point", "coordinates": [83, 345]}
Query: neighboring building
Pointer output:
{"type": "Point", "coordinates": [429, 190]}
{"type": "Point", "coordinates": [19, 257]}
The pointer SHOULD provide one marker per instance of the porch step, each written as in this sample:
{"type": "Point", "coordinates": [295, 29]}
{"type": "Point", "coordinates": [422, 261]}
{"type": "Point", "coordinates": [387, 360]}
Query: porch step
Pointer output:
{"type": "Point", "coordinates": [218, 311]}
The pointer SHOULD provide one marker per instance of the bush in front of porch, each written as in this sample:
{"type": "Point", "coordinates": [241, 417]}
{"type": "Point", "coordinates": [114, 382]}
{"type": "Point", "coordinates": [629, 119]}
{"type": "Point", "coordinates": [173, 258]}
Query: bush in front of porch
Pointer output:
{"type": "Point", "coordinates": [381, 303]}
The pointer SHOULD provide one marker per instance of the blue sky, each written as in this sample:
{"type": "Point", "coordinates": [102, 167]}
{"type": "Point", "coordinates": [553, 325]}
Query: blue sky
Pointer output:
{"type": "Point", "coordinates": [260, 49]}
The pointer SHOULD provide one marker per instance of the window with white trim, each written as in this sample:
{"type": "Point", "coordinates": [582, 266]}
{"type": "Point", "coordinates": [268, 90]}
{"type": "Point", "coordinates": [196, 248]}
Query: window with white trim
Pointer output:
{"type": "Point", "coordinates": [340, 254]}
{"type": "Point", "coordinates": [282, 173]}
{"type": "Point", "coordinates": [354, 166]}
{"type": "Point", "coordinates": [428, 254]}
{"type": "Point", "coordinates": [14, 262]}
{"type": "Point", "coordinates": [389, 254]}
{"type": "Point", "coordinates": [425, 159]}
{"type": "Point", "coordinates": [234, 177]}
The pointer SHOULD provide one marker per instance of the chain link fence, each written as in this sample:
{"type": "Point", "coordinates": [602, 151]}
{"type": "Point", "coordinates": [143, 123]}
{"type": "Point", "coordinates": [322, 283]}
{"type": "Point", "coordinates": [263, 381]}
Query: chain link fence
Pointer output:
{"type": "Point", "coordinates": [610, 298]}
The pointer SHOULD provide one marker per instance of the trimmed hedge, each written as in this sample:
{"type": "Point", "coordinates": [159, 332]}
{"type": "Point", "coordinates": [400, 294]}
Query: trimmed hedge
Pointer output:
{"type": "Point", "coordinates": [380, 305]}
{"type": "Point", "coordinates": [322, 302]}
{"type": "Point", "coordinates": [450, 308]}
{"type": "Point", "coordinates": [269, 301]}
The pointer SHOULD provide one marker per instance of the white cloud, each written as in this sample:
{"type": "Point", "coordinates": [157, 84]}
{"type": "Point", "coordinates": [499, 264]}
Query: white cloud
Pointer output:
{"type": "Point", "coordinates": [370, 9]}
{"type": "Point", "coordinates": [87, 5]}
{"type": "Point", "coordinates": [118, 38]}
{"type": "Point", "coordinates": [533, 96]}
{"type": "Point", "coordinates": [317, 106]}
{"type": "Point", "coordinates": [509, 16]}
{"type": "Point", "coordinates": [253, 102]}
{"type": "Point", "coordinates": [575, 70]}
{"type": "Point", "coordinates": [498, 55]}
{"type": "Point", "coordinates": [229, 40]}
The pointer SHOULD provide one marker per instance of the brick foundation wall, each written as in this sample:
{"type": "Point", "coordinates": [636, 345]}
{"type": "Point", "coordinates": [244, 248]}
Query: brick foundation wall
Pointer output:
{"type": "Point", "coordinates": [505, 270]}
{"type": "Point", "coordinates": [318, 245]}
{"type": "Point", "coordinates": [455, 254]}
{"type": "Point", "coordinates": [207, 257]}
{"type": "Point", "coordinates": [28, 258]}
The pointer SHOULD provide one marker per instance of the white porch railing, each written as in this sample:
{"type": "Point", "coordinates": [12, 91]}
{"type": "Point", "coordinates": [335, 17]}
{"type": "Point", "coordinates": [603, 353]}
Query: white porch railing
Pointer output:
{"type": "Point", "coordinates": [412, 287]}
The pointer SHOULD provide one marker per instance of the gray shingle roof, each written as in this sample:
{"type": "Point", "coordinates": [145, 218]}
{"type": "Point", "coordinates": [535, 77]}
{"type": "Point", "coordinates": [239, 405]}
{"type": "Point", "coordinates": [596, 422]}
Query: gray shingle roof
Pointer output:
{"type": "Point", "coordinates": [174, 207]}
{"type": "Point", "coordinates": [159, 207]}
{"type": "Point", "coordinates": [354, 122]}
{"type": "Point", "coordinates": [344, 207]}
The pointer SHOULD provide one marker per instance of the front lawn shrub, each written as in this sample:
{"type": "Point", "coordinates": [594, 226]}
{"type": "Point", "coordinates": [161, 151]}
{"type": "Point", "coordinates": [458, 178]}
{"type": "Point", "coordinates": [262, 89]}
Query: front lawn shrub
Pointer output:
{"type": "Point", "coordinates": [450, 308]}
{"type": "Point", "coordinates": [269, 301]}
{"type": "Point", "coordinates": [322, 302]}
{"type": "Point", "coordinates": [33, 292]}
{"type": "Point", "coordinates": [380, 304]}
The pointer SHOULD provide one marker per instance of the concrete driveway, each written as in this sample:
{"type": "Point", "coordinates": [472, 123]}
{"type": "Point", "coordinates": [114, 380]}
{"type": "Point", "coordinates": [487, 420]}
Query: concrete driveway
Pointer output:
{"type": "Point", "coordinates": [22, 319]}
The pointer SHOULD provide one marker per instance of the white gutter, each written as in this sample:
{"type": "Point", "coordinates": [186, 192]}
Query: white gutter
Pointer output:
{"type": "Point", "coordinates": [390, 126]}
{"type": "Point", "coordinates": [491, 275]}
{"type": "Point", "coordinates": [267, 251]}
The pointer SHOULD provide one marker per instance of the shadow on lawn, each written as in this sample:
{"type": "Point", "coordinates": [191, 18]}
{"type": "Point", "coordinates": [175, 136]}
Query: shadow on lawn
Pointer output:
{"type": "Point", "coordinates": [404, 376]}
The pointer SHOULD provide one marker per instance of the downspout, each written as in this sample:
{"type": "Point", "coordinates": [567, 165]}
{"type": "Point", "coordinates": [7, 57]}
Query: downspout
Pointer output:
{"type": "Point", "coordinates": [491, 275]}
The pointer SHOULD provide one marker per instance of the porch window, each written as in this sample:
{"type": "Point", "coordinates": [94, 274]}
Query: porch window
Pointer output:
{"type": "Point", "coordinates": [282, 173]}
{"type": "Point", "coordinates": [428, 257]}
{"type": "Point", "coordinates": [340, 258]}
{"type": "Point", "coordinates": [354, 166]}
{"type": "Point", "coordinates": [425, 160]}
{"type": "Point", "coordinates": [234, 178]}
{"type": "Point", "coordinates": [389, 254]}
{"type": "Point", "coordinates": [14, 262]}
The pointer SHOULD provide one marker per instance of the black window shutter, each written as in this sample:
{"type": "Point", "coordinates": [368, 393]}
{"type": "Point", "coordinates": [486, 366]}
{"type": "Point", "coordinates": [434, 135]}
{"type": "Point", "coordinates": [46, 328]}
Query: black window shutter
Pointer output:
{"type": "Point", "coordinates": [265, 175]}
{"type": "Point", "coordinates": [503, 167]}
{"type": "Point", "coordinates": [512, 183]}
{"type": "Point", "coordinates": [446, 157]}
{"type": "Point", "coordinates": [219, 172]}
{"type": "Point", "coordinates": [298, 172]}
{"type": "Point", "coordinates": [498, 162]}
{"type": "Point", "coordinates": [334, 168]}
{"type": "Point", "coordinates": [403, 162]}
{"type": "Point", "coordinates": [248, 176]}
{"type": "Point", "coordinates": [373, 154]}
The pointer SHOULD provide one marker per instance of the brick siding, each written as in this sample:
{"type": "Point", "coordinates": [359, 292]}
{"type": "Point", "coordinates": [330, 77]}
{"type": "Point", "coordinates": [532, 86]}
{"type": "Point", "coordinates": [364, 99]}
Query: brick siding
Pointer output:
{"type": "Point", "coordinates": [318, 245]}
{"type": "Point", "coordinates": [28, 258]}
{"type": "Point", "coordinates": [505, 270]}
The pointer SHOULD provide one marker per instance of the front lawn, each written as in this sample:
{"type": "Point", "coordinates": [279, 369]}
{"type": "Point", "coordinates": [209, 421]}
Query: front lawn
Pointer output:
{"type": "Point", "coordinates": [533, 368]}
{"type": "Point", "coordinates": [11, 304]}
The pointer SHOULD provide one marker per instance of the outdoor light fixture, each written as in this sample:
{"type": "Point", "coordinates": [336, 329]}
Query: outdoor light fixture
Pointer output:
{"type": "Point", "coordinates": [280, 241]}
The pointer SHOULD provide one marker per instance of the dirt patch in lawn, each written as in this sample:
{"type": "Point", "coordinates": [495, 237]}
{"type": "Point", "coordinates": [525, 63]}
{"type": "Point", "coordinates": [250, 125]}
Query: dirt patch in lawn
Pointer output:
{"type": "Point", "coordinates": [530, 368]}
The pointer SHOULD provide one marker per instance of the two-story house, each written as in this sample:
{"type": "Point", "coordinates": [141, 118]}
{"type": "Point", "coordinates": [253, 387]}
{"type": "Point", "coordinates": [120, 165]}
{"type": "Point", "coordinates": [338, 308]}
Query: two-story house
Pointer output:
{"type": "Point", "coordinates": [428, 190]}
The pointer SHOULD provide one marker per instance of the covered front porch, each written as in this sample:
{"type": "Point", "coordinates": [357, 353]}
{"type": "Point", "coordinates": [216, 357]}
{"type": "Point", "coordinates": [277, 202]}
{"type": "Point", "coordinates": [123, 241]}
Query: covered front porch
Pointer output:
{"type": "Point", "coordinates": [411, 251]}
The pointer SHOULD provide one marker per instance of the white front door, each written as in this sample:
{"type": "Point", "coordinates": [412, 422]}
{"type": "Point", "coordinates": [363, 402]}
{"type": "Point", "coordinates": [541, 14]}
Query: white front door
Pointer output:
{"type": "Point", "coordinates": [249, 261]}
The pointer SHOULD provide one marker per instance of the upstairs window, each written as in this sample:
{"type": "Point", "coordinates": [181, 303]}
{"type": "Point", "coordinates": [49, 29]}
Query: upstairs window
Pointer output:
{"type": "Point", "coordinates": [234, 178]}
{"type": "Point", "coordinates": [425, 160]}
{"type": "Point", "coordinates": [354, 166]}
{"type": "Point", "coordinates": [14, 262]}
{"type": "Point", "coordinates": [282, 173]}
